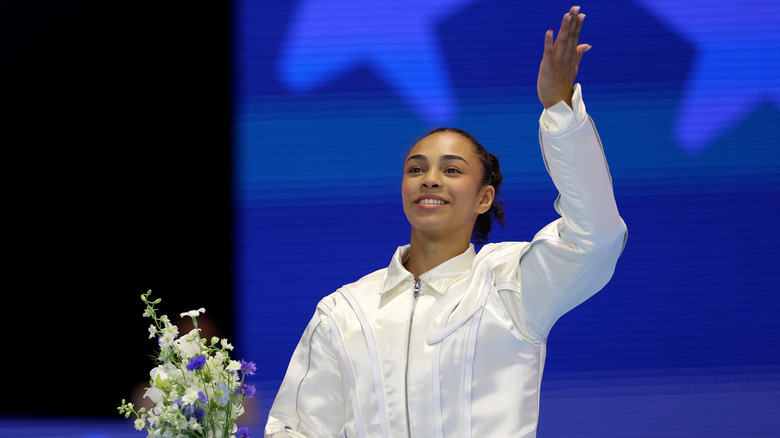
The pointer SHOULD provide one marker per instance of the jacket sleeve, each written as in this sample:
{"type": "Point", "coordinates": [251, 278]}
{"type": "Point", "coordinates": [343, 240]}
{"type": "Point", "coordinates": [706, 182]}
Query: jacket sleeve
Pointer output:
{"type": "Point", "coordinates": [573, 257]}
{"type": "Point", "coordinates": [309, 402]}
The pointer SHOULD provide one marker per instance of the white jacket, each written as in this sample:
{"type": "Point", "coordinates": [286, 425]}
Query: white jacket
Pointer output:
{"type": "Point", "coordinates": [459, 353]}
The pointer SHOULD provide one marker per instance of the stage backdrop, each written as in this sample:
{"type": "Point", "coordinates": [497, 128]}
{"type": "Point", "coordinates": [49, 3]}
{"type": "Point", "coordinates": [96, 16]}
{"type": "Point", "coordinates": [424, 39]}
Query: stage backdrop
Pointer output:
{"type": "Point", "coordinates": [685, 339]}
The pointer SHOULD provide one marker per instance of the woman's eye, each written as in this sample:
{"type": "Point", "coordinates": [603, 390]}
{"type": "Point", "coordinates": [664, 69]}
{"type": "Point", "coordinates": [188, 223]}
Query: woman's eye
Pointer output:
{"type": "Point", "coordinates": [451, 170]}
{"type": "Point", "coordinates": [415, 169]}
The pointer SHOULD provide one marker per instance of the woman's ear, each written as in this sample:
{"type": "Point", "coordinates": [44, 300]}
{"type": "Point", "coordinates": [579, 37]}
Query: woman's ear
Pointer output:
{"type": "Point", "coordinates": [486, 196]}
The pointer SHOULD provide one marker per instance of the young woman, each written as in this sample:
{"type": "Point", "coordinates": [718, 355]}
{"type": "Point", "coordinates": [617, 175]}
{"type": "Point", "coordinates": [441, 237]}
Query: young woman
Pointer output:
{"type": "Point", "coordinates": [445, 342]}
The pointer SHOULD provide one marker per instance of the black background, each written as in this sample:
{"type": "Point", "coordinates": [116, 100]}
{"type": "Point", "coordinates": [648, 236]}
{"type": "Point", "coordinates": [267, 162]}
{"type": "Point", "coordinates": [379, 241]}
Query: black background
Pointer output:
{"type": "Point", "coordinates": [116, 138]}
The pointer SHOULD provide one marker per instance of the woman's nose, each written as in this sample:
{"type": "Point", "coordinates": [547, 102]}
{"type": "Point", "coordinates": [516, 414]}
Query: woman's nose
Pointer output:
{"type": "Point", "coordinates": [431, 180]}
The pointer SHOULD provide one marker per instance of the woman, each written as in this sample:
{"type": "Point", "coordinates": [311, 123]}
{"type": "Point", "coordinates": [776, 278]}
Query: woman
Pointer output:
{"type": "Point", "coordinates": [445, 342]}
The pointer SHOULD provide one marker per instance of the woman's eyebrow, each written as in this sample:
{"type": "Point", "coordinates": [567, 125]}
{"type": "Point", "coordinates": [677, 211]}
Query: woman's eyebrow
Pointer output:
{"type": "Point", "coordinates": [420, 157]}
{"type": "Point", "coordinates": [450, 157]}
{"type": "Point", "coordinates": [447, 157]}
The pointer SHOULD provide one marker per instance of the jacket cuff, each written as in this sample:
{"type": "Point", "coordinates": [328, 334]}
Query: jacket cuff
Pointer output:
{"type": "Point", "coordinates": [560, 117]}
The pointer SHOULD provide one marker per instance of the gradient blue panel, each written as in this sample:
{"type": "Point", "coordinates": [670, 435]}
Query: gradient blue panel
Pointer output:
{"type": "Point", "coordinates": [684, 341]}
{"type": "Point", "coordinates": [735, 65]}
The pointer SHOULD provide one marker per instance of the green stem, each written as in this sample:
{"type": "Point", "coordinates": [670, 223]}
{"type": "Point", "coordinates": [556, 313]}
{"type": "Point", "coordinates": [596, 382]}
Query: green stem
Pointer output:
{"type": "Point", "coordinates": [205, 408]}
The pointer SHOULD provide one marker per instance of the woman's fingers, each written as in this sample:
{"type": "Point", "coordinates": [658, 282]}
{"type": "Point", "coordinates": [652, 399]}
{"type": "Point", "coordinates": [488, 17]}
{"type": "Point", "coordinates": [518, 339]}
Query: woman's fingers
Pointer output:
{"type": "Point", "coordinates": [560, 63]}
{"type": "Point", "coordinates": [574, 28]}
{"type": "Point", "coordinates": [569, 33]}
{"type": "Point", "coordinates": [567, 45]}
{"type": "Point", "coordinates": [548, 44]}
{"type": "Point", "coordinates": [561, 42]}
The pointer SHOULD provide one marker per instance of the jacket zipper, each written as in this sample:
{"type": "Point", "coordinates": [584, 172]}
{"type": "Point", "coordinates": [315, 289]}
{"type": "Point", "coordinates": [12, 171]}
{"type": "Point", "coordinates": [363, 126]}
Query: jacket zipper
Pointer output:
{"type": "Point", "coordinates": [417, 284]}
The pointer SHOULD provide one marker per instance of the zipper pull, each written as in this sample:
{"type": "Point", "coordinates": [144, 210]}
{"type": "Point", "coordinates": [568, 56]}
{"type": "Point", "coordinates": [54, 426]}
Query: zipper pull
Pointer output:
{"type": "Point", "coordinates": [417, 284]}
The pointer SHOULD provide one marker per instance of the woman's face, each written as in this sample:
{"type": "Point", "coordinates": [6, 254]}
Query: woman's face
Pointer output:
{"type": "Point", "coordinates": [442, 189]}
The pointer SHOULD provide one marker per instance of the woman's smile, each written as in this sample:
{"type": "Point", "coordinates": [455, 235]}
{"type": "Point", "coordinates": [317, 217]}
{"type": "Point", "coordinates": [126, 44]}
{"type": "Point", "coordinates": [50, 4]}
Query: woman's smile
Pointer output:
{"type": "Point", "coordinates": [430, 201]}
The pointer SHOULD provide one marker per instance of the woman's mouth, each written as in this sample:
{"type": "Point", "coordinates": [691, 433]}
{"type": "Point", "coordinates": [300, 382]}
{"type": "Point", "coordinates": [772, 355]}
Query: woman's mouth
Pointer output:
{"type": "Point", "coordinates": [429, 201]}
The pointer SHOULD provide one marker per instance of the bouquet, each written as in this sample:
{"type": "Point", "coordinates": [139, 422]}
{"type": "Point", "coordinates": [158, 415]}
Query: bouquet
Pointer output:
{"type": "Point", "coordinates": [197, 390]}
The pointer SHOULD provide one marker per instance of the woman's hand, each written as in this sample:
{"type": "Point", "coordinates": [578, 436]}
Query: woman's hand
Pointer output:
{"type": "Point", "coordinates": [561, 60]}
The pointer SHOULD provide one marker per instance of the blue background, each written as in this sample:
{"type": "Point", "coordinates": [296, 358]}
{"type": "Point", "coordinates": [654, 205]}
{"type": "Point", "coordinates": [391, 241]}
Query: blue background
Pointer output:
{"type": "Point", "coordinates": [248, 160]}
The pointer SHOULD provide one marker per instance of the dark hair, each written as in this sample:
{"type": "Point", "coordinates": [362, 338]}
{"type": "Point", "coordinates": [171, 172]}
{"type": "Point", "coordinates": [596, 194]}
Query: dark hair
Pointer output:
{"type": "Point", "coordinates": [491, 175]}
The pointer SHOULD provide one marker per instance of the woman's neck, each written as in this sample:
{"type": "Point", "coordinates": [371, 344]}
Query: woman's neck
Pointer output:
{"type": "Point", "coordinates": [425, 254]}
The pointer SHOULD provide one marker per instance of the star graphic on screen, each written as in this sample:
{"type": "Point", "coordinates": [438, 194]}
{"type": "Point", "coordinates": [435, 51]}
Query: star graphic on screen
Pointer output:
{"type": "Point", "coordinates": [328, 38]}
{"type": "Point", "coordinates": [735, 68]}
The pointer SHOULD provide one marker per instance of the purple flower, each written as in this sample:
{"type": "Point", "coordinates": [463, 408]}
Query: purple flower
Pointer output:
{"type": "Point", "coordinates": [243, 432]}
{"type": "Point", "coordinates": [191, 411]}
{"type": "Point", "coordinates": [248, 367]}
{"type": "Point", "coordinates": [196, 363]}
{"type": "Point", "coordinates": [249, 390]}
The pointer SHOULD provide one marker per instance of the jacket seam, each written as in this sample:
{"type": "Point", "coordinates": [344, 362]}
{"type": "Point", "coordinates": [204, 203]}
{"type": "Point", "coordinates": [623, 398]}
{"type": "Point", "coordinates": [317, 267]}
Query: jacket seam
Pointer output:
{"type": "Point", "coordinates": [337, 339]}
{"type": "Point", "coordinates": [295, 391]}
{"type": "Point", "coordinates": [376, 374]}
{"type": "Point", "coordinates": [472, 343]}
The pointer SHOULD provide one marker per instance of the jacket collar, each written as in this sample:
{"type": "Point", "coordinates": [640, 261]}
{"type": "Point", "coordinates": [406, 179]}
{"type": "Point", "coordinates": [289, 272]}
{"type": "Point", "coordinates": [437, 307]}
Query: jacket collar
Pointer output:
{"type": "Point", "coordinates": [437, 278]}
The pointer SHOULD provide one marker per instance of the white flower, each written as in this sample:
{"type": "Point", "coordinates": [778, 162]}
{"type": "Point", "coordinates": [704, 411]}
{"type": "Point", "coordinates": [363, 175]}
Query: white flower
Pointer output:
{"type": "Point", "coordinates": [195, 425]}
{"type": "Point", "coordinates": [220, 357]}
{"type": "Point", "coordinates": [190, 396]}
{"type": "Point", "coordinates": [212, 368]}
{"type": "Point", "coordinates": [139, 424]}
{"type": "Point", "coordinates": [187, 346]}
{"type": "Point", "coordinates": [155, 394]}
{"type": "Point", "coordinates": [152, 331]}
{"type": "Point", "coordinates": [193, 313]}
{"type": "Point", "coordinates": [166, 340]}
{"type": "Point", "coordinates": [174, 394]}
{"type": "Point", "coordinates": [226, 345]}
{"type": "Point", "coordinates": [174, 372]}
{"type": "Point", "coordinates": [234, 365]}
{"type": "Point", "coordinates": [159, 371]}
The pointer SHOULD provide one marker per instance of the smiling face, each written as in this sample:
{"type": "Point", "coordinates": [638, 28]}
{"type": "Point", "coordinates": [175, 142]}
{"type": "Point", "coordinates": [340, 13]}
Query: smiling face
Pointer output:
{"type": "Point", "coordinates": [442, 189]}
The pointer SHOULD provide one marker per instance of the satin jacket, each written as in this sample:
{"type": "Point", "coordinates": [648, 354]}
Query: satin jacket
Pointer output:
{"type": "Point", "coordinates": [459, 353]}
